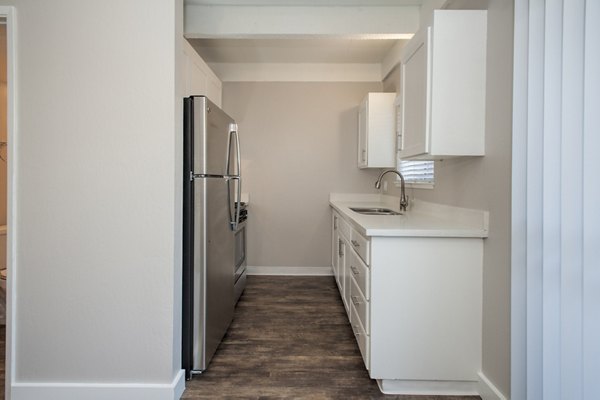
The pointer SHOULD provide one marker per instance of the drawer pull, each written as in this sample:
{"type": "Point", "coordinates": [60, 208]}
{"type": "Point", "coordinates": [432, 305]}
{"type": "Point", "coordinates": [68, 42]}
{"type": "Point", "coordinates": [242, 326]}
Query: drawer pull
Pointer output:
{"type": "Point", "coordinates": [355, 243]}
{"type": "Point", "coordinates": [354, 270]}
{"type": "Point", "coordinates": [355, 300]}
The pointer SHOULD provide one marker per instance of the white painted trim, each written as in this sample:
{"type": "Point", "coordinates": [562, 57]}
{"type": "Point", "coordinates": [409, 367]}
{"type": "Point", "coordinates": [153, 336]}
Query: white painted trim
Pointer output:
{"type": "Point", "coordinates": [296, 72]}
{"type": "Point", "coordinates": [100, 391]}
{"type": "Point", "coordinates": [487, 390]}
{"type": "Point", "coordinates": [268, 21]}
{"type": "Point", "coordinates": [427, 388]}
{"type": "Point", "coordinates": [290, 271]}
{"type": "Point", "coordinates": [11, 40]}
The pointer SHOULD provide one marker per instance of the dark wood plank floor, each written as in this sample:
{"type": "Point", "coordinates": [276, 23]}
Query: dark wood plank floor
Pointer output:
{"type": "Point", "coordinates": [290, 338]}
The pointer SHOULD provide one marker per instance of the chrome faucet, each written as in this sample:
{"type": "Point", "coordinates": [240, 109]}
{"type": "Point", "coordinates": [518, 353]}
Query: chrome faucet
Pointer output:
{"type": "Point", "coordinates": [403, 197]}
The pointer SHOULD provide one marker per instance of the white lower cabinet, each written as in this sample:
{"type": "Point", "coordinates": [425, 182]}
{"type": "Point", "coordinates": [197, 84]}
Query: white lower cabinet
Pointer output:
{"type": "Point", "coordinates": [414, 304]}
{"type": "Point", "coordinates": [361, 305]}
{"type": "Point", "coordinates": [361, 335]}
{"type": "Point", "coordinates": [338, 255]}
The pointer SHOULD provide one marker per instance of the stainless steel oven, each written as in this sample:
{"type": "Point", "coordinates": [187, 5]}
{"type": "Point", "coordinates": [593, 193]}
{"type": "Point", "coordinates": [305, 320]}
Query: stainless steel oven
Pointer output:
{"type": "Point", "coordinates": [240, 253]}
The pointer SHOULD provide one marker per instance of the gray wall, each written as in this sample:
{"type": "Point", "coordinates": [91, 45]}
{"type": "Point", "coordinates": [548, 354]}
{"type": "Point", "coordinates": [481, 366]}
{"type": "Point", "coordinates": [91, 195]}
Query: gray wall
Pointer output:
{"type": "Point", "coordinates": [299, 144]}
{"type": "Point", "coordinates": [485, 183]}
{"type": "Point", "coordinates": [97, 227]}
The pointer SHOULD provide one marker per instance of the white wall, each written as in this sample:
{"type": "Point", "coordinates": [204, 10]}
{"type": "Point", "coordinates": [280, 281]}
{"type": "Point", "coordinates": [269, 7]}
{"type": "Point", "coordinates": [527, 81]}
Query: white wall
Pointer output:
{"type": "Point", "coordinates": [485, 183]}
{"type": "Point", "coordinates": [98, 205]}
{"type": "Point", "coordinates": [298, 144]}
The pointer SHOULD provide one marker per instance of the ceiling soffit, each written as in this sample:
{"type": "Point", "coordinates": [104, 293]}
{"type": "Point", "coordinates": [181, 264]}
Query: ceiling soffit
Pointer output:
{"type": "Point", "coordinates": [317, 34]}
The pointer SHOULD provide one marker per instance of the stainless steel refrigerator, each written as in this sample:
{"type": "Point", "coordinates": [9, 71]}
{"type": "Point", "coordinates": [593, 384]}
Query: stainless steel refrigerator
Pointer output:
{"type": "Point", "coordinates": [211, 187]}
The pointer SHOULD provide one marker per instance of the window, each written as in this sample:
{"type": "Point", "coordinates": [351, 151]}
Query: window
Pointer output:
{"type": "Point", "coordinates": [417, 173]}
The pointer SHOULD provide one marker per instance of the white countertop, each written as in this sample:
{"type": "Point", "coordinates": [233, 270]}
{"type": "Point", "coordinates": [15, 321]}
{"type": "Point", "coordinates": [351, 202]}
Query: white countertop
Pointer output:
{"type": "Point", "coordinates": [423, 219]}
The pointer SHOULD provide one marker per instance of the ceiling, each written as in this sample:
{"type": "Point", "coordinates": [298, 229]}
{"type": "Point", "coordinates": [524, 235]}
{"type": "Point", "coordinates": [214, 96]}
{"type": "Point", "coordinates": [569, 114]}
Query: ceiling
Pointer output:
{"type": "Point", "coordinates": [322, 50]}
{"type": "Point", "coordinates": [314, 50]}
{"type": "Point", "coordinates": [355, 3]}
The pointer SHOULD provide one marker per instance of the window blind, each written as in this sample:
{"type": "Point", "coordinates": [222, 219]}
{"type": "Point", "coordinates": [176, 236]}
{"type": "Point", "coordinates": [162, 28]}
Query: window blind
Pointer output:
{"type": "Point", "coordinates": [416, 171]}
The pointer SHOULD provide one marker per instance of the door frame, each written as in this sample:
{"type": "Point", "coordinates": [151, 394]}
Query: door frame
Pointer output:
{"type": "Point", "coordinates": [8, 13]}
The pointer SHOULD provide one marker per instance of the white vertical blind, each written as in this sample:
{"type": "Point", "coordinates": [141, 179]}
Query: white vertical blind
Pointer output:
{"type": "Point", "coordinates": [556, 192]}
{"type": "Point", "coordinates": [591, 199]}
{"type": "Point", "coordinates": [416, 171]}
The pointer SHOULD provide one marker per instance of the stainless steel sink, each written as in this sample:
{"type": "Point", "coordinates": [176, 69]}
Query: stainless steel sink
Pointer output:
{"type": "Point", "coordinates": [374, 211]}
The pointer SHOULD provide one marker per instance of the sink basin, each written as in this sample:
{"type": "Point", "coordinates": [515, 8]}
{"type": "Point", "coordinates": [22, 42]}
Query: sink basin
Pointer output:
{"type": "Point", "coordinates": [374, 211]}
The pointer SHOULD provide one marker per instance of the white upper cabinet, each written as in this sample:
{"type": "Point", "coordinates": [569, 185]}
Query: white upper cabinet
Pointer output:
{"type": "Point", "coordinates": [199, 78]}
{"type": "Point", "coordinates": [376, 133]}
{"type": "Point", "coordinates": [442, 89]}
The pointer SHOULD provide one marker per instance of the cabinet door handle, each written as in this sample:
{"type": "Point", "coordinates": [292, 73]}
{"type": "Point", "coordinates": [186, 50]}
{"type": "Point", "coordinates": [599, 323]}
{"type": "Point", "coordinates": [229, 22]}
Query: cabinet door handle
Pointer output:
{"type": "Point", "coordinates": [335, 225]}
{"type": "Point", "coordinates": [354, 270]}
{"type": "Point", "coordinates": [355, 300]}
{"type": "Point", "coordinates": [355, 243]}
{"type": "Point", "coordinates": [364, 155]}
{"type": "Point", "coordinates": [340, 248]}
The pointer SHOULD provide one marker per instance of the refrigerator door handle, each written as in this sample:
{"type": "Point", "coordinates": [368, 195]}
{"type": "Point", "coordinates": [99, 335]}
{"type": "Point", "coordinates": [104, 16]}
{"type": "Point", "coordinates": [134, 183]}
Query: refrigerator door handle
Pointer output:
{"type": "Point", "coordinates": [239, 158]}
{"type": "Point", "coordinates": [228, 157]}
{"type": "Point", "coordinates": [232, 131]}
{"type": "Point", "coordinates": [239, 177]}
{"type": "Point", "coordinates": [234, 218]}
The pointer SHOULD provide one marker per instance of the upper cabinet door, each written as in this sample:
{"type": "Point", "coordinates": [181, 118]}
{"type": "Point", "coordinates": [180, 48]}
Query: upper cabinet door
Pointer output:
{"type": "Point", "coordinates": [442, 91]}
{"type": "Point", "coordinates": [362, 134]}
{"type": "Point", "coordinates": [413, 135]}
{"type": "Point", "coordinates": [376, 132]}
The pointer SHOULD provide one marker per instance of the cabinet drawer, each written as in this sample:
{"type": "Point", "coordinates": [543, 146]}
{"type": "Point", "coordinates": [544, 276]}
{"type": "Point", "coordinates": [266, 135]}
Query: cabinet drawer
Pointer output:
{"type": "Point", "coordinates": [359, 271]}
{"type": "Point", "coordinates": [360, 335]}
{"type": "Point", "coordinates": [361, 245]}
{"type": "Point", "coordinates": [344, 228]}
{"type": "Point", "coordinates": [361, 305]}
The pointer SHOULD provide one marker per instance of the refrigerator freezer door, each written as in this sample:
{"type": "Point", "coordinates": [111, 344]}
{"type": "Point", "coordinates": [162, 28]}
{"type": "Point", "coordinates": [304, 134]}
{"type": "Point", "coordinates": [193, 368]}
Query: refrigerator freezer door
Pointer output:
{"type": "Point", "coordinates": [212, 133]}
{"type": "Point", "coordinates": [214, 267]}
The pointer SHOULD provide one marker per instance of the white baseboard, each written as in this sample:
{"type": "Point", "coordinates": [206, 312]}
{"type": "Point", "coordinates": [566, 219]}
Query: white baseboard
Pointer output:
{"type": "Point", "coordinates": [427, 388]}
{"type": "Point", "coordinates": [290, 271]}
{"type": "Point", "coordinates": [100, 391]}
{"type": "Point", "coordinates": [487, 390]}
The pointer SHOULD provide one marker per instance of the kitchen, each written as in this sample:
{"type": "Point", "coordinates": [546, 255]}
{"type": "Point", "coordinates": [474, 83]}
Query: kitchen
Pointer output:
{"type": "Point", "coordinates": [300, 96]}
{"type": "Point", "coordinates": [90, 300]}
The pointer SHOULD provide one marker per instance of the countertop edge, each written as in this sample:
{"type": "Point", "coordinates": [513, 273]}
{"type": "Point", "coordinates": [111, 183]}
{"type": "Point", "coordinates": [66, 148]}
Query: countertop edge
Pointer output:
{"type": "Point", "coordinates": [433, 232]}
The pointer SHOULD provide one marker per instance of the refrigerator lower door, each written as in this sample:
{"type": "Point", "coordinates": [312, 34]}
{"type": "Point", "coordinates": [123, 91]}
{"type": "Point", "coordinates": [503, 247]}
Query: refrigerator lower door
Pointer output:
{"type": "Point", "coordinates": [214, 258]}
